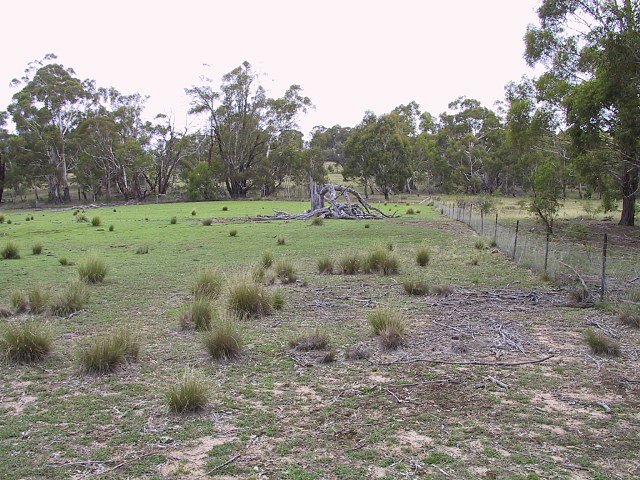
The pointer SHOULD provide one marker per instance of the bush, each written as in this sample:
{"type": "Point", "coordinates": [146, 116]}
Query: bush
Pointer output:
{"type": "Point", "coordinates": [111, 228]}
{"type": "Point", "coordinates": [281, 241]}
{"type": "Point", "coordinates": [383, 317]}
{"type": "Point", "coordinates": [380, 260]}
{"type": "Point", "coordinates": [142, 250]}
{"type": "Point", "coordinates": [25, 342]}
{"type": "Point", "coordinates": [19, 300]}
{"type": "Point", "coordinates": [73, 299]}
{"type": "Point", "coordinates": [325, 265]}
{"type": "Point", "coordinates": [423, 256]}
{"type": "Point", "coordinates": [410, 211]}
{"type": "Point", "coordinates": [36, 249]}
{"type": "Point", "coordinates": [38, 299]}
{"type": "Point", "coordinates": [233, 233]}
{"type": "Point", "coordinates": [630, 315]}
{"type": "Point", "coordinates": [317, 222]}
{"type": "Point", "coordinates": [92, 269]}
{"type": "Point", "coordinates": [189, 394]}
{"type": "Point", "coordinates": [415, 287]}
{"type": "Point", "coordinates": [200, 315]}
{"type": "Point", "coordinates": [311, 341]}
{"type": "Point", "coordinates": [173, 220]}
{"type": "Point", "coordinates": [278, 300]}
{"type": "Point", "coordinates": [207, 222]}
{"type": "Point", "coordinates": [10, 251]}
{"type": "Point", "coordinates": [104, 354]}
{"type": "Point", "coordinates": [350, 264]}
{"type": "Point", "coordinates": [601, 344]}
{"type": "Point", "coordinates": [267, 260]}
{"type": "Point", "coordinates": [96, 222]}
{"type": "Point", "coordinates": [208, 284]}
{"type": "Point", "coordinates": [223, 342]}
{"type": "Point", "coordinates": [248, 298]}
{"type": "Point", "coordinates": [286, 272]}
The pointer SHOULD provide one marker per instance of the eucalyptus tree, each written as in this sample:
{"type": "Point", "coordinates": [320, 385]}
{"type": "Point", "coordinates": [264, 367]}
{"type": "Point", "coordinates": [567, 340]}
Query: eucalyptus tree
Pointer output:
{"type": "Point", "coordinates": [591, 50]}
{"type": "Point", "coordinates": [244, 124]}
{"type": "Point", "coordinates": [4, 138]}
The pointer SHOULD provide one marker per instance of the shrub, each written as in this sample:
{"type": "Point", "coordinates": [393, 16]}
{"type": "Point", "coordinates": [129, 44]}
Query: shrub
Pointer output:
{"type": "Point", "coordinates": [281, 241]}
{"type": "Point", "coordinates": [267, 260]}
{"type": "Point", "coordinates": [223, 342]}
{"type": "Point", "coordinates": [207, 222]}
{"type": "Point", "coordinates": [248, 298]}
{"type": "Point", "coordinates": [25, 342]}
{"type": "Point", "coordinates": [233, 233]}
{"type": "Point", "coordinates": [278, 300]}
{"type": "Point", "coordinates": [189, 394]}
{"type": "Point", "coordinates": [173, 220]}
{"type": "Point", "coordinates": [383, 317]}
{"type": "Point", "coordinates": [350, 264]}
{"type": "Point", "coordinates": [630, 315]}
{"type": "Point", "coordinates": [105, 353]}
{"type": "Point", "coordinates": [64, 261]}
{"type": "Point", "coordinates": [92, 269]}
{"type": "Point", "coordinates": [410, 211]}
{"type": "Point", "coordinates": [142, 250]}
{"type": "Point", "coordinates": [479, 245]}
{"type": "Point", "coordinates": [208, 284]}
{"type": "Point", "coordinates": [111, 228]}
{"type": "Point", "coordinates": [10, 251]}
{"type": "Point", "coordinates": [325, 265]}
{"type": "Point", "coordinates": [38, 299]}
{"type": "Point", "coordinates": [317, 222]}
{"type": "Point", "coordinates": [286, 272]}
{"type": "Point", "coordinates": [81, 217]}
{"type": "Point", "coordinates": [423, 256]}
{"type": "Point", "coordinates": [601, 344]}
{"type": "Point", "coordinates": [96, 222]}
{"type": "Point", "coordinates": [19, 300]}
{"type": "Point", "coordinates": [70, 300]}
{"type": "Point", "coordinates": [391, 337]}
{"type": "Point", "coordinates": [200, 315]}
{"type": "Point", "coordinates": [224, 209]}
{"type": "Point", "coordinates": [415, 287]}
{"type": "Point", "coordinates": [193, 212]}
{"type": "Point", "coordinates": [311, 341]}
{"type": "Point", "coordinates": [380, 260]}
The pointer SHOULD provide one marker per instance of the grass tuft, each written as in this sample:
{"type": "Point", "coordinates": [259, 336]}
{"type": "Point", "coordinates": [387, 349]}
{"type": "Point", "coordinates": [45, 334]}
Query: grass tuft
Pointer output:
{"type": "Point", "coordinates": [601, 344]}
{"type": "Point", "coordinates": [410, 211]}
{"type": "Point", "coordinates": [188, 394]}
{"type": "Point", "coordinates": [19, 300]}
{"type": "Point", "coordinates": [286, 272]}
{"type": "Point", "coordinates": [93, 269]}
{"type": "Point", "coordinates": [39, 298]}
{"type": "Point", "coordinates": [207, 222]}
{"type": "Point", "coordinates": [383, 317]}
{"type": "Point", "coordinates": [233, 233]}
{"type": "Point", "coordinates": [2, 218]}
{"type": "Point", "coordinates": [208, 284]}
{"type": "Point", "coordinates": [224, 209]}
{"type": "Point", "coordinates": [315, 340]}
{"type": "Point", "coordinates": [630, 315]}
{"type": "Point", "coordinates": [328, 357]}
{"type": "Point", "coordinates": [200, 315]}
{"type": "Point", "coordinates": [105, 353]}
{"type": "Point", "coordinates": [423, 256]}
{"type": "Point", "coordinates": [193, 212]}
{"type": "Point", "coordinates": [173, 220]}
{"type": "Point", "coordinates": [111, 228]}
{"type": "Point", "coordinates": [25, 342]}
{"type": "Point", "coordinates": [267, 260]}
{"type": "Point", "coordinates": [81, 217]}
{"type": "Point", "coordinates": [281, 241]}
{"type": "Point", "coordinates": [10, 251]}
{"type": "Point", "coordinates": [325, 265]}
{"type": "Point", "coordinates": [224, 341]}
{"type": "Point", "coordinates": [36, 249]}
{"type": "Point", "coordinates": [142, 250]}
{"type": "Point", "coordinates": [442, 290]}
{"type": "Point", "coordinates": [65, 262]}
{"type": "Point", "coordinates": [350, 264]}
{"type": "Point", "coordinates": [317, 222]}
{"type": "Point", "coordinates": [381, 260]}
{"type": "Point", "coordinates": [415, 287]}
{"type": "Point", "coordinates": [479, 245]}
{"type": "Point", "coordinates": [391, 337]}
{"type": "Point", "coordinates": [70, 300]}
{"type": "Point", "coordinates": [248, 298]}
{"type": "Point", "coordinates": [356, 353]}
{"type": "Point", "coordinates": [278, 300]}
{"type": "Point", "coordinates": [96, 222]}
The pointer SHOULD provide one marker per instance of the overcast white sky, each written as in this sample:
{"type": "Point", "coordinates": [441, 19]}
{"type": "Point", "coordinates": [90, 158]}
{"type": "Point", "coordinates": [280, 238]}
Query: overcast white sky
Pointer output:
{"type": "Point", "coordinates": [349, 56]}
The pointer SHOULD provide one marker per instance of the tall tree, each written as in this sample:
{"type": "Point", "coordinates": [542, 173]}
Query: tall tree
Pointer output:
{"type": "Point", "coordinates": [4, 137]}
{"type": "Point", "coordinates": [591, 49]}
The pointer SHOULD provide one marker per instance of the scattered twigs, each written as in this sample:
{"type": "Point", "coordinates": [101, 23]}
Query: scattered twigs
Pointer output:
{"type": "Point", "coordinates": [426, 382]}
{"type": "Point", "coordinates": [473, 362]}
{"type": "Point", "coordinates": [543, 459]}
{"type": "Point", "coordinates": [499, 383]}
{"type": "Point", "coordinates": [221, 466]}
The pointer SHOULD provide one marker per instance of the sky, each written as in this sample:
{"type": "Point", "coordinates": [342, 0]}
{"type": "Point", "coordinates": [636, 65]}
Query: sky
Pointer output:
{"type": "Point", "coordinates": [349, 56]}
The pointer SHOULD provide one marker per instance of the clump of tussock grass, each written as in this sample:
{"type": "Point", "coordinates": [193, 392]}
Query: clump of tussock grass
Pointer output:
{"type": "Point", "coordinates": [233, 233]}
{"type": "Point", "coordinates": [36, 248]}
{"type": "Point", "coordinates": [325, 265]}
{"type": "Point", "coordinates": [173, 220]}
{"type": "Point", "coordinates": [200, 315]}
{"type": "Point", "coordinates": [208, 284]}
{"type": "Point", "coordinates": [410, 211]}
{"type": "Point", "coordinates": [111, 228]}
{"type": "Point", "coordinates": [423, 256]}
{"type": "Point", "coordinates": [493, 244]}
{"type": "Point", "coordinates": [267, 260]}
{"type": "Point", "coordinates": [10, 251]}
{"type": "Point", "coordinates": [70, 300]}
{"type": "Point", "coordinates": [225, 209]}
{"type": "Point", "coordinates": [474, 262]}
{"type": "Point", "coordinates": [223, 341]}
{"type": "Point", "coordinates": [65, 262]}
{"type": "Point", "coordinates": [384, 317]}
{"type": "Point", "coordinates": [281, 241]}
{"type": "Point", "coordinates": [415, 287]}
{"type": "Point", "coordinates": [2, 218]}
{"type": "Point", "coordinates": [278, 300]}
{"type": "Point", "coordinates": [317, 222]}
{"type": "Point", "coordinates": [96, 222]}
{"type": "Point", "coordinates": [382, 261]}
{"type": "Point", "coordinates": [311, 341]}
{"type": "Point", "coordinates": [5, 312]}
{"type": "Point", "coordinates": [391, 337]}
{"type": "Point", "coordinates": [630, 315]}
{"type": "Point", "coordinates": [479, 245]}
{"type": "Point", "coordinates": [600, 344]}
{"type": "Point", "coordinates": [193, 212]}
{"type": "Point", "coordinates": [207, 222]}
{"type": "Point", "coordinates": [93, 269]}
{"type": "Point", "coordinates": [25, 342]}
{"type": "Point", "coordinates": [350, 264]}
{"type": "Point", "coordinates": [81, 217]}
{"type": "Point", "coordinates": [366, 225]}
{"type": "Point", "coordinates": [142, 250]}
{"type": "Point", "coordinates": [389, 246]}
{"type": "Point", "coordinates": [248, 298]}
{"type": "Point", "coordinates": [442, 290]}
{"type": "Point", "coordinates": [356, 353]}
{"type": "Point", "coordinates": [39, 298]}
{"type": "Point", "coordinates": [104, 354]}
{"type": "Point", "coordinates": [187, 394]}
{"type": "Point", "coordinates": [286, 272]}
{"type": "Point", "coordinates": [9, 222]}
{"type": "Point", "coordinates": [19, 300]}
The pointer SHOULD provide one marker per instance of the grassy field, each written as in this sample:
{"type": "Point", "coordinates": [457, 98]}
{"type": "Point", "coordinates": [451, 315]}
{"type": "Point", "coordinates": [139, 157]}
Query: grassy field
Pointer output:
{"type": "Point", "coordinates": [493, 380]}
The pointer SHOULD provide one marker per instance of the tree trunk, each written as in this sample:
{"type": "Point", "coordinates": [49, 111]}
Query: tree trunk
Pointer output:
{"type": "Point", "coordinates": [3, 171]}
{"type": "Point", "coordinates": [629, 192]}
{"type": "Point", "coordinates": [317, 200]}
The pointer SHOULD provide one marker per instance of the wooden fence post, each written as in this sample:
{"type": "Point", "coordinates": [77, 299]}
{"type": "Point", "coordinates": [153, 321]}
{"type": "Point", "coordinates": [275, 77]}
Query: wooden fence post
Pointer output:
{"type": "Point", "coordinates": [546, 253]}
{"type": "Point", "coordinates": [515, 241]}
{"type": "Point", "coordinates": [604, 267]}
{"type": "Point", "coordinates": [495, 230]}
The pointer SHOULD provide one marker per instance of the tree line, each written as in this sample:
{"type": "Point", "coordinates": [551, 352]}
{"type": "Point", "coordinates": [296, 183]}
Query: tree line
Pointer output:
{"type": "Point", "coordinates": [575, 127]}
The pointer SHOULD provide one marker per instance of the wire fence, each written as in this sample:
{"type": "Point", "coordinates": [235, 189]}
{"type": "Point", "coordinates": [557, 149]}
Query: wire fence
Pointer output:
{"type": "Point", "coordinates": [606, 267]}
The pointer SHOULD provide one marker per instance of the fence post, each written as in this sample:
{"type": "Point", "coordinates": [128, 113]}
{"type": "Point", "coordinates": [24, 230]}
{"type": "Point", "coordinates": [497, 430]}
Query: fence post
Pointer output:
{"type": "Point", "coordinates": [546, 253]}
{"type": "Point", "coordinates": [515, 241]}
{"type": "Point", "coordinates": [481, 223]}
{"type": "Point", "coordinates": [470, 213]}
{"type": "Point", "coordinates": [495, 230]}
{"type": "Point", "coordinates": [604, 267]}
